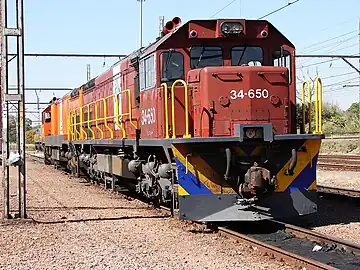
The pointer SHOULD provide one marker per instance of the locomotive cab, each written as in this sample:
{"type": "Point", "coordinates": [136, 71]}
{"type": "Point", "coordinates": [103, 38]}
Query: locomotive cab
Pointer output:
{"type": "Point", "coordinates": [237, 72]}
{"type": "Point", "coordinates": [233, 87]}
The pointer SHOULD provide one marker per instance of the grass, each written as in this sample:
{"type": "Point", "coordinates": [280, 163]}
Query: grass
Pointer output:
{"type": "Point", "coordinates": [340, 147]}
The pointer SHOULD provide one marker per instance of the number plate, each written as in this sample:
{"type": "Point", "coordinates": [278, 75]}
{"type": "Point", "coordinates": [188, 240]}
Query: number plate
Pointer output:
{"type": "Point", "coordinates": [148, 116]}
{"type": "Point", "coordinates": [251, 93]}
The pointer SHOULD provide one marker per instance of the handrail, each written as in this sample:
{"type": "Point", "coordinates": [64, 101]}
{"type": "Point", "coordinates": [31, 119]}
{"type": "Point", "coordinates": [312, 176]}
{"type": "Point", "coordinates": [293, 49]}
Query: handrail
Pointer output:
{"type": "Point", "coordinates": [105, 119]}
{"type": "Point", "coordinates": [81, 127]}
{"type": "Point", "coordinates": [130, 109]}
{"type": "Point", "coordinates": [88, 122]}
{"type": "Point", "coordinates": [69, 127]}
{"type": "Point", "coordinates": [166, 110]}
{"type": "Point", "coordinates": [304, 105]}
{"type": "Point", "coordinates": [318, 106]}
{"type": "Point", "coordinates": [117, 115]}
{"type": "Point", "coordinates": [186, 135]}
{"type": "Point", "coordinates": [73, 122]}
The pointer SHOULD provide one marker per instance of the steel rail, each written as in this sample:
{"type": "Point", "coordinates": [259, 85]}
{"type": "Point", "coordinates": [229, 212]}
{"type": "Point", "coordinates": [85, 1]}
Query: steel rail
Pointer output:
{"type": "Point", "coordinates": [319, 237]}
{"type": "Point", "coordinates": [338, 191]}
{"type": "Point", "coordinates": [338, 166]}
{"type": "Point", "coordinates": [278, 253]}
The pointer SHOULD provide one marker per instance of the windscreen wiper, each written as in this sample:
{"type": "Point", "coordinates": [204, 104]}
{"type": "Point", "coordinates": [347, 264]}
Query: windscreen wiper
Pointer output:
{"type": "Point", "coordinates": [242, 55]}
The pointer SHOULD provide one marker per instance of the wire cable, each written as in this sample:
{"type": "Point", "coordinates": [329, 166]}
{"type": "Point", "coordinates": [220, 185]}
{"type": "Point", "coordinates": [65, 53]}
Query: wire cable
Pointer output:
{"type": "Point", "coordinates": [330, 39]}
{"type": "Point", "coordinates": [277, 10]}
{"type": "Point", "coordinates": [217, 12]}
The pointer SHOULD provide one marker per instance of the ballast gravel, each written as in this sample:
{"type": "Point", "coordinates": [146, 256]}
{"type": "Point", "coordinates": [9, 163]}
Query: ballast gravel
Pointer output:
{"type": "Point", "coordinates": [337, 218]}
{"type": "Point", "coordinates": [75, 225]}
{"type": "Point", "coordinates": [341, 179]}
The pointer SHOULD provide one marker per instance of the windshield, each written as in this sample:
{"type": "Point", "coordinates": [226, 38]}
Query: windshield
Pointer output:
{"type": "Point", "coordinates": [244, 55]}
{"type": "Point", "coordinates": [206, 56]}
{"type": "Point", "coordinates": [172, 66]}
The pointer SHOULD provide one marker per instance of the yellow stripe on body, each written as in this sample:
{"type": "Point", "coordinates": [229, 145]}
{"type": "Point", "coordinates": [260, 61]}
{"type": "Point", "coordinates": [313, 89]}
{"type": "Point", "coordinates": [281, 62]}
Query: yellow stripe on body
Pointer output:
{"type": "Point", "coordinates": [242, 153]}
{"type": "Point", "coordinates": [198, 167]}
{"type": "Point", "coordinates": [313, 186]}
{"type": "Point", "coordinates": [182, 191]}
{"type": "Point", "coordinates": [303, 159]}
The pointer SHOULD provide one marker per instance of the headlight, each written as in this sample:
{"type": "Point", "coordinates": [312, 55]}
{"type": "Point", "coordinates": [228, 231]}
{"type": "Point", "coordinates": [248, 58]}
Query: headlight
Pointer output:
{"type": "Point", "coordinates": [250, 133]}
{"type": "Point", "coordinates": [231, 28]}
{"type": "Point", "coordinates": [253, 133]}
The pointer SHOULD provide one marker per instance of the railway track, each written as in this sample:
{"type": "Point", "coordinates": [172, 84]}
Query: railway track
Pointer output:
{"type": "Point", "coordinates": [289, 243]}
{"type": "Point", "coordinates": [339, 162]}
{"type": "Point", "coordinates": [338, 191]}
{"type": "Point", "coordinates": [300, 247]}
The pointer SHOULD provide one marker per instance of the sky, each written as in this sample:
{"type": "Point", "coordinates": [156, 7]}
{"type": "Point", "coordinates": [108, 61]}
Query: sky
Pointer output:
{"type": "Point", "coordinates": [112, 27]}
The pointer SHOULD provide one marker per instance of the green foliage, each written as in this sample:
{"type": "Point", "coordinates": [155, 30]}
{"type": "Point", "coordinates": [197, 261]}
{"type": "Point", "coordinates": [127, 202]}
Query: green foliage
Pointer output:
{"type": "Point", "coordinates": [30, 136]}
{"type": "Point", "coordinates": [13, 125]}
{"type": "Point", "coordinates": [334, 119]}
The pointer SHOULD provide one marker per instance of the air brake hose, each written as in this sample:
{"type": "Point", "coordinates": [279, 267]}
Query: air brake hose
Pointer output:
{"type": "Point", "coordinates": [228, 164]}
{"type": "Point", "coordinates": [293, 162]}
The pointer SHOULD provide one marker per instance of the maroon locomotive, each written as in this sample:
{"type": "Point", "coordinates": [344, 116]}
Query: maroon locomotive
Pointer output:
{"type": "Point", "coordinates": [204, 118]}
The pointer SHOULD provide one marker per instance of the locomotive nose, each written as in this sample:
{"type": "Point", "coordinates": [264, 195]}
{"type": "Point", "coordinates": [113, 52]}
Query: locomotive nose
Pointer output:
{"type": "Point", "coordinates": [246, 95]}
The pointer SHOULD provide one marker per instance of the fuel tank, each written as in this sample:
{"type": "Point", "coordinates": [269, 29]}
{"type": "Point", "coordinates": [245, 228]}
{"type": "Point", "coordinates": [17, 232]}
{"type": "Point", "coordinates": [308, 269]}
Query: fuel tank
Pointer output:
{"type": "Point", "coordinates": [229, 95]}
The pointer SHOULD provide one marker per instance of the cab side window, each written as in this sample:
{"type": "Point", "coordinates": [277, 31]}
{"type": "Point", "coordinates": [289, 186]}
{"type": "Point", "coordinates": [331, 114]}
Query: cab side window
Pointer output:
{"type": "Point", "coordinates": [282, 58]}
{"type": "Point", "coordinates": [47, 117]}
{"type": "Point", "coordinates": [172, 66]}
{"type": "Point", "coordinates": [147, 73]}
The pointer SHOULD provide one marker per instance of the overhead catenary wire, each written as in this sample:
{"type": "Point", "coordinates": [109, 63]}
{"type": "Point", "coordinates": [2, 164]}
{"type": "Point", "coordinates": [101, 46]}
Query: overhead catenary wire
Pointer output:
{"type": "Point", "coordinates": [330, 39]}
{"type": "Point", "coordinates": [227, 5]}
{"type": "Point", "coordinates": [277, 10]}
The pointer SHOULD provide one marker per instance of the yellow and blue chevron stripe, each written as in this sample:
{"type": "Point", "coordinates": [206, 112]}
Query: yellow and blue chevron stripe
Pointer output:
{"type": "Point", "coordinates": [196, 176]}
{"type": "Point", "coordinates": [304, 174]}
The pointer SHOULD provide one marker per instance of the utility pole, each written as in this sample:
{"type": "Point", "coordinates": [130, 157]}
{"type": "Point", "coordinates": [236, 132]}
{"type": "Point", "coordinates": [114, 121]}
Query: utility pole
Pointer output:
{"type": "Point", "coordinates": [359, 80]}
{"type": "Point", "coordinates": [17, 101]}
{"type": "Point", "coordinates": [88, 72]}
{"type": "Point", "coordinates": [161, 24]}
{"type": "Point", "coordinates": [38, 106]}
{"type": "Point", "coordinates": [141, 22]}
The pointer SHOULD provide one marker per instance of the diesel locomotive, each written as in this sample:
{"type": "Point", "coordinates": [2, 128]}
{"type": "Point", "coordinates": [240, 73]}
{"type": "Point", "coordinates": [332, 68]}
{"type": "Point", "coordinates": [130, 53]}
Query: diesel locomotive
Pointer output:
{"type": "Point", "coordinates": [202, 119]}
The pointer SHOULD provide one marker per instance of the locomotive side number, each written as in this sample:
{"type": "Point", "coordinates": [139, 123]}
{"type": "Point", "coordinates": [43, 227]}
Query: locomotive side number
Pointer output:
{"type": "Point", "coordinates": [258, 93]}
{"type": "Point", "coordinates": [148, 116]}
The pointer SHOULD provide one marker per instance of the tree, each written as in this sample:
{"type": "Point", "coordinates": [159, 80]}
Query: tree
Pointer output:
{"type": "Point", "coordinates": [13, 125]}
{"type": "Point", "coordinates": [30, 136]}
{"type": "Point", "coordinates": [354, 108]}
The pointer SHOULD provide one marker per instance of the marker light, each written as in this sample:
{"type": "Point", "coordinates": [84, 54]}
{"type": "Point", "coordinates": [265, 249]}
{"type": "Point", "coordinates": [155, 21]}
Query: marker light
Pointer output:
{"type": "Point", "coordinates": [231, 28]}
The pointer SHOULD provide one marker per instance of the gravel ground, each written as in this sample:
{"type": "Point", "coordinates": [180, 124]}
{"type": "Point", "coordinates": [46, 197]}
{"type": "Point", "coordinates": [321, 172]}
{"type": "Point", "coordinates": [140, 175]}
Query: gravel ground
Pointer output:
{"type": "Point", "coordinates": [80, 226]}
{"type": "Point", "coordinates": [343, 179]}
{"type": "Point", "coordinates": [340, 219]}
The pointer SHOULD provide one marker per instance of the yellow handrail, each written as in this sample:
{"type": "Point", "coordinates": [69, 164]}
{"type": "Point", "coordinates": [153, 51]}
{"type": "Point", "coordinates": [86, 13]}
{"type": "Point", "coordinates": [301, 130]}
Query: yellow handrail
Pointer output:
{"type": "Point", "coordinates": [97, 119]}
{"type": "Point", "coordinates": [77, 134]}
{"type": "Point", "coordinates": [75, 124]}
{"type": "Point", "coordinates": [186, 135]}
{"type": "Point", "coordinates": [82, 130]}
{"type": "Point", "coordinates": [130, 109]}
{"type": "Point", "coordinates": [318, 106]}
{"type": "Point", "coordinates": [69, 127]}
{"type": "Point", "coordinates": [166, 110]}
{"type": "Point", "coordinates": [88, 122]}
{"type": "Point", "coordinates": [303, 103]}
{"type": "Point", "coordinates": [117, 115]}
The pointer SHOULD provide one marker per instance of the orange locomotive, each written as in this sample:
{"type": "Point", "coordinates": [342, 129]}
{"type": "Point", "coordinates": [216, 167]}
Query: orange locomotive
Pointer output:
{"type": "Point", "coordinates": [204, 118]}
